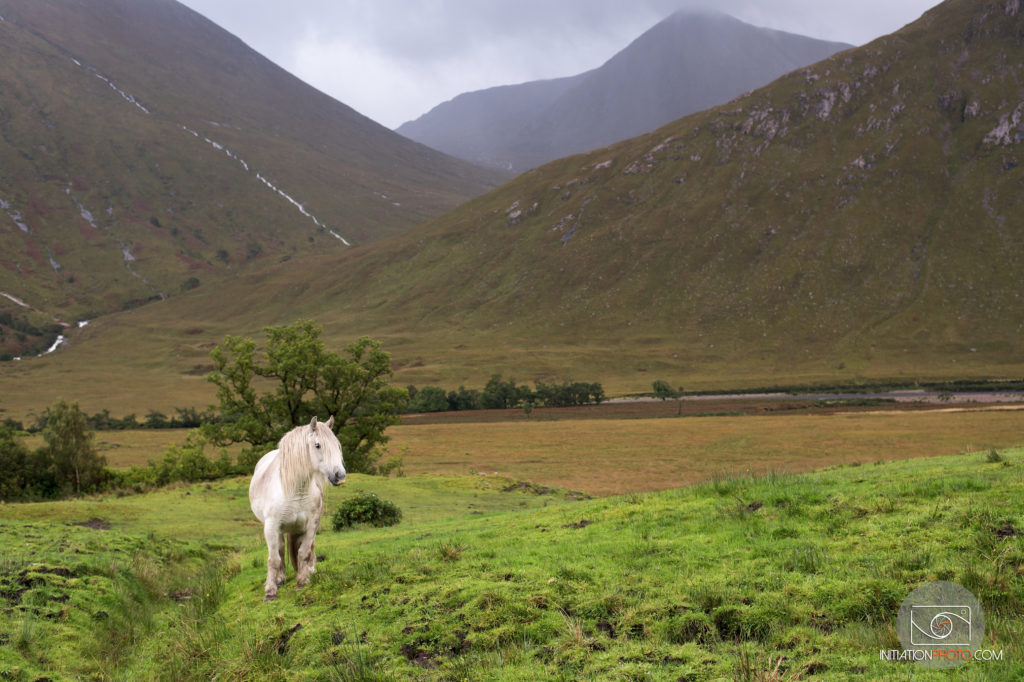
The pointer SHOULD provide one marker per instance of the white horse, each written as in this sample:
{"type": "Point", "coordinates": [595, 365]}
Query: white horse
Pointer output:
{"type": "Point", "coordinates": [287, 495]}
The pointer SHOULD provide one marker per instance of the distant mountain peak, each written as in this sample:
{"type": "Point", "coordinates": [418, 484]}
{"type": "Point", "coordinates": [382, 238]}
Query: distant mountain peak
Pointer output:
{"type": "Point", "coordinates": [693, 59]}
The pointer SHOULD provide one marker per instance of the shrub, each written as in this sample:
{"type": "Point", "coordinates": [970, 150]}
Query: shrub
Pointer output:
{"type": "Point", "coordinates": [365, 508]}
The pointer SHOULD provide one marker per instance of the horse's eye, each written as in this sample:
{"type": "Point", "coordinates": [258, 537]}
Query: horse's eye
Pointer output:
{"type": "Point", "coordinates": [318, 446]}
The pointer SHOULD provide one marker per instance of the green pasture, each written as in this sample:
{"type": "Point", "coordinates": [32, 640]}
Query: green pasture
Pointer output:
{"type": "Point", "coordinates": [487, 580]}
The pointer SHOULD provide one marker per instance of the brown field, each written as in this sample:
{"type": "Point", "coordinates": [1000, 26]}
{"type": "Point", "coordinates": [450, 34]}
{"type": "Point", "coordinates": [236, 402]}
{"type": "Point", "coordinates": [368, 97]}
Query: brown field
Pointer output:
{"type": "Point", "coordinates": [635, 447]}
{"type": "Point", "coordinates": [612, 456]}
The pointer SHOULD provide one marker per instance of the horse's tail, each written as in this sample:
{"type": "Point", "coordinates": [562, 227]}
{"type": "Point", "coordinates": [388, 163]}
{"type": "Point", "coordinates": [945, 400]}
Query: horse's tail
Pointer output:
{"type": "Point", "coordinates": [293, 549]}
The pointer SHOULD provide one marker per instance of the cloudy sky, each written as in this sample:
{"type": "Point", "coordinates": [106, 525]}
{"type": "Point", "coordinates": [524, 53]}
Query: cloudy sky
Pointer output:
{"type": "Point", "coordinates": [393, 60]}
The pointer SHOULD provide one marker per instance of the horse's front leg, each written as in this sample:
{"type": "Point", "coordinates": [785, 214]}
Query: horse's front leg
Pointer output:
{"type": "Point", "coordinates": [307, 550]}
{"type": "Point", "coordinates": [275, 560]}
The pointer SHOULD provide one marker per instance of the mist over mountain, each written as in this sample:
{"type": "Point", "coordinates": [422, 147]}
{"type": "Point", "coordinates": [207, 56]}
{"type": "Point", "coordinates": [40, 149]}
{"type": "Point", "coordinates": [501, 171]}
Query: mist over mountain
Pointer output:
{"type": "Point", "coordinates": [686, 63]}
{"type": "Point", "coordinates": [145, 151]}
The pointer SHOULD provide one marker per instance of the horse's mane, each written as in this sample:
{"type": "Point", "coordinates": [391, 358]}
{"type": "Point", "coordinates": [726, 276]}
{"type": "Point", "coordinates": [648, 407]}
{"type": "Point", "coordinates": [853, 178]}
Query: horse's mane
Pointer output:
{"type": "Point", "coordinates": [293, 458]}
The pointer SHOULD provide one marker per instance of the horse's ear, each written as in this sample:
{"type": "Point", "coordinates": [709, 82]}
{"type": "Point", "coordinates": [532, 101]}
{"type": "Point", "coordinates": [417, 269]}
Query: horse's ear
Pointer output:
{"type": "Point", "coordinates": [312, 423]}
{"type": "Point", "coordinates": [330, 422]}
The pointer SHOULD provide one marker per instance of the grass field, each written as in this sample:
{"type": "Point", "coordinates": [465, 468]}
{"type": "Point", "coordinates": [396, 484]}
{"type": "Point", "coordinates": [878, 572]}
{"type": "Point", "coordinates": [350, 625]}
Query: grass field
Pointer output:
{"type": "Point", "coordinates": [715, 581]}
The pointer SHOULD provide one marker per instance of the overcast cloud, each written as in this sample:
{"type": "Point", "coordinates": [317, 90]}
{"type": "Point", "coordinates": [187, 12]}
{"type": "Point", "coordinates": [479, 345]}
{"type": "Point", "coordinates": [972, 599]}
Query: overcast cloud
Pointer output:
{"type": "Point", "coordinates": [394, 60]}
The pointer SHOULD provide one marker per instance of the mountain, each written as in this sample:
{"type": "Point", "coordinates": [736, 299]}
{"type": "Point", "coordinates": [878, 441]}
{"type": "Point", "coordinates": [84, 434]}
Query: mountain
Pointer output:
{"type": "Point", "coordinates": [146, 151]}
{"type": "Point", "coordinates": [860, 218]}
{"type": "Point", "coordinates": [688, 62]}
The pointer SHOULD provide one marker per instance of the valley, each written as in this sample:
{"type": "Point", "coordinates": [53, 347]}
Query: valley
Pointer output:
{"type": "Point", "coordinates": [842, 225]}
{"type": "Point", "coordinates": [828, 262]}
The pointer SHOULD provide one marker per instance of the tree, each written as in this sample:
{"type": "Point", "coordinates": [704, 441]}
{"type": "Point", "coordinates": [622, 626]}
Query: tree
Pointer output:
{"type": "Point", "coordinates": [464, 399]}
{"type": "Point", "coordinates": [501, 395]}
{"type": "Point", "coordinates": [70, 446]}
{"type": "Point", "coordinates": [663, 390]}
{"type": "Point", "coordinates": [24, 474]}
{"type": "Point", "coordinates": [262, 396]}
{"type": "Point", "coordinates": [568, 394]}
{"type": "Point", "coordinates": [156, 420]}
{"type": "Point", "coordinates": [429, 399]}
{"type": "Point", "coordinates": [14, 458]}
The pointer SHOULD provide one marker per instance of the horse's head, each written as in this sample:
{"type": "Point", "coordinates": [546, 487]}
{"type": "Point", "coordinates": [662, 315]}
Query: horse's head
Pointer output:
{"type": "Point", "coordinates": [325, 451]}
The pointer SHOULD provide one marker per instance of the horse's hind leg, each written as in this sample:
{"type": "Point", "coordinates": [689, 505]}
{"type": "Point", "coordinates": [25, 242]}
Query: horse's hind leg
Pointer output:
{"type": "Point", "coordinates": [293, 540]}
{"type": "Point", "coordinates": [275, 561]}
{"type": "Point", "coordinates": [284, 566]}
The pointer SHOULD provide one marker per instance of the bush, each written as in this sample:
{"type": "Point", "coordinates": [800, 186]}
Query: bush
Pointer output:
{"type": "Point", "coordinates": [24, 474]}
{"type": "Point", "coordinates": [186, 462]}
{"type": "Point", "coordinates": [365, 508]}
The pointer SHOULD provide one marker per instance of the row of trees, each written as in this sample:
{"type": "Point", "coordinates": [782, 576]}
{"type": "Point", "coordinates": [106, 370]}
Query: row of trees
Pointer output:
{"type": "Point", "coordinates": [186, 418]}
{"type": "Point", "coordinates": [504, 394]}
{"type": "Point", "coordinates": [69, 464]}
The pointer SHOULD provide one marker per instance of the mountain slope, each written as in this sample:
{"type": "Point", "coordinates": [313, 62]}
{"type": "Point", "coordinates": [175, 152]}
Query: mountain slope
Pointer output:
{"type": "Point", "coordinates": [860, 218]}
{"type": "Point", "coordinates": [862, 215]}
{"type": "Point", "coordinates": [145, 150]}
{"type": "Point", "coordinates": [479, 125]}
{"type": "Point", "coordinates": [688, 62]}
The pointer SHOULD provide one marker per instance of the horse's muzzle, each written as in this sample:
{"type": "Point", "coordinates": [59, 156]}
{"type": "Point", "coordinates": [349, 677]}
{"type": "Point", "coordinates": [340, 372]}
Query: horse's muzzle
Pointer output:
{"type": "Point", "coordinates": [337, 479]}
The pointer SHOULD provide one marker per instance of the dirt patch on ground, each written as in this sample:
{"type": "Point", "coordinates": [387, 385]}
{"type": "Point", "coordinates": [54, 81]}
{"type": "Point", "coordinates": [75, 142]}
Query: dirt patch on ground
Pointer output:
{"type": "Point", "coordinates": [282, 640]}
{"type": "Point", "coordinates": [94, 523]}
{"type": "Point", "coordinates": [427, 654]}
{"type": "Point", "coordinates": [527, 487]}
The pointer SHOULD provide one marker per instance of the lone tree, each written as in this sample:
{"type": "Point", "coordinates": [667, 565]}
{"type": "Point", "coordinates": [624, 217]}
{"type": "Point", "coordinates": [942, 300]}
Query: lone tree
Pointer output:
{"type": "Point", "coordinates": [70, 447]}
{"type": "Point", "coordinates": [263, 396]}
{"type": "Point", "coordinates": [664, 390]}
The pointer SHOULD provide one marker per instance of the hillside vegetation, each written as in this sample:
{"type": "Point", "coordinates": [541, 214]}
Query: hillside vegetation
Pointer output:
{"type": "Point", "coordinates": [860, 217]}
{"type": "Point", "coordinates": [145, 152]}
{"type": "Point", "coordinates": [721, 580]}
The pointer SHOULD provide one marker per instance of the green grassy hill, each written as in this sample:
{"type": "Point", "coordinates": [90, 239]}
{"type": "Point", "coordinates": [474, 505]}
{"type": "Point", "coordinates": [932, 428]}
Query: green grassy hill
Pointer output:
{"type": "Point", "coordinates": [717, 581]}
{"type": "Point", "coordinates": [146, 152]}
